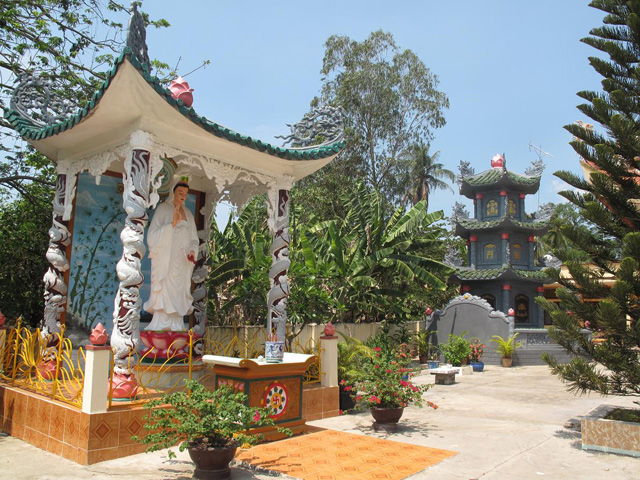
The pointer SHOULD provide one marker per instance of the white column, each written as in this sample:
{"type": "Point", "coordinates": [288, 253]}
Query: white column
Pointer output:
{"type": "Point", "coordinates": [137, 180]}
{"type": "Point", "coordinates": [55, 287]}
{"type": "Point", "coordinates": [329, 361]}
{"type": "Point", "coordinates": [96, 379]}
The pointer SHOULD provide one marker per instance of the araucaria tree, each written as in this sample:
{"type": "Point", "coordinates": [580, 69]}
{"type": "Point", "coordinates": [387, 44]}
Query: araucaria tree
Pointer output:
{"type": "Point", "coordinates": [391, 100]}
{"type": "Point", "coordinates": [609, 199]}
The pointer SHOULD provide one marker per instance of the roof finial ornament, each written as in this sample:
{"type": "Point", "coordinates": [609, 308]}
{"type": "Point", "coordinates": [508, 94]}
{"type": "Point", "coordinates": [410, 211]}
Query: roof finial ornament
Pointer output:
{"type": "Point", "coordinates": [34, 99]}
{"type": "Point", "coordinates": [137, 35]}
{"type": "Point", "coordinates": [322, 123]}
{"type": "Point", "coordinates": [466, 170]}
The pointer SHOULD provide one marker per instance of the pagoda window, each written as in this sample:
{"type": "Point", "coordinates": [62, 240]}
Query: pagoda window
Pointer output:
{"type": "Point", "coordinates": [491, 300]}
{"type": "Point", "coordinates": [492, 208]}
{"type": "Point", "coordinates": [513, 209]}
{"type": "Point", "coordinates": [522, 309]}
{"type": "Point", "coordinates": [516, 252]}
{"type": "Point", "coordinates": [489, 252]}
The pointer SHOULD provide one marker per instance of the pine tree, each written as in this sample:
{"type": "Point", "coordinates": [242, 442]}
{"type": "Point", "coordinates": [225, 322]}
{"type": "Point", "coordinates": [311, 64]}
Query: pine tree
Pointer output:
{"type": "Point", "coordinates": [609, 200]}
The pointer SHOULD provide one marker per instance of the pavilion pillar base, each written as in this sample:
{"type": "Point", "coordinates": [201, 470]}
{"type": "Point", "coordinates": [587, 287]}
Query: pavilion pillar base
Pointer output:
{"type": "Point", "coordinates": [277, 386]}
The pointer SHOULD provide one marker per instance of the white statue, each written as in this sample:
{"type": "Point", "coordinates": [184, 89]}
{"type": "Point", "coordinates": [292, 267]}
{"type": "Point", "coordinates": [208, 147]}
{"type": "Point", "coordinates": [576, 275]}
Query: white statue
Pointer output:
{"type": "Point", "coordinates": [173, 249]}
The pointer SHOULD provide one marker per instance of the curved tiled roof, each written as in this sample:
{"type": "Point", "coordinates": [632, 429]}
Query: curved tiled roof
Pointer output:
{"type": "Point", "coordinates": [498, 177]}
{"type": "Point", "coordinates": [467, 226]}
{"type": "Point", "coordinates": [499, 273]}
{"type": "Point", "coordinates": [29, 131]}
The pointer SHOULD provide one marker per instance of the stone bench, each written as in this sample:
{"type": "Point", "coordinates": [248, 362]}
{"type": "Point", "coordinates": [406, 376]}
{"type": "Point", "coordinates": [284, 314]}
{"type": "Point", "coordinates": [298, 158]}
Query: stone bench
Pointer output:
{"type": "Point", "coordinates": [444, 376]}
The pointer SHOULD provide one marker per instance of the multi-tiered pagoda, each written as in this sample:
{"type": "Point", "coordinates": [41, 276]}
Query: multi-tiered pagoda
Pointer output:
{"type": "Point", "coordinates": [501, 239]}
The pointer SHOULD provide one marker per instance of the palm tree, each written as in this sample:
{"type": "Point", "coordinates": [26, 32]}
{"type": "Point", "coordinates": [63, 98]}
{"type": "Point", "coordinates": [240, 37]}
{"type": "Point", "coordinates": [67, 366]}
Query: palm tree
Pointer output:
{"type": "Point", "coordinates": [425, 174]}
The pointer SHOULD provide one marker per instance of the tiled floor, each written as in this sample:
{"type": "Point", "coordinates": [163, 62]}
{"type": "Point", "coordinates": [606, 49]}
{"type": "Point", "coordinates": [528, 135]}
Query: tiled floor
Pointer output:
{"type": "Point", "coordinates": [334, 455]}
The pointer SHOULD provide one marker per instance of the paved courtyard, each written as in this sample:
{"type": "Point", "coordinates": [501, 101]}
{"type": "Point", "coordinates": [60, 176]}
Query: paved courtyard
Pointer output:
{"type": "Point", "coordinates": [504, 424]}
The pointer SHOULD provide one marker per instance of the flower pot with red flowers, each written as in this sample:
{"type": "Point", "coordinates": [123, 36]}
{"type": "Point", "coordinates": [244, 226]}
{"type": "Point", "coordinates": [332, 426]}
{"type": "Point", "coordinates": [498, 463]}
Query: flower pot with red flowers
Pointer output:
{"type": "Point", "coordinates": [386, 387]}
{"type": "Point", "coordinates": [352, 356]}
{"type": "Point", "coordinates": [477, 349]}
{"type": "Point", "coordinates": [209, 424]}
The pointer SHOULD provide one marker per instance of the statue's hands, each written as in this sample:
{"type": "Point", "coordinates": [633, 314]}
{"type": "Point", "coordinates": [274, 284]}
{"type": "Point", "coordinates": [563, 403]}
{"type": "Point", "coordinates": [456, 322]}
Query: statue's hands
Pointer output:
{"type": "Point", "coordinates": [176, 216]}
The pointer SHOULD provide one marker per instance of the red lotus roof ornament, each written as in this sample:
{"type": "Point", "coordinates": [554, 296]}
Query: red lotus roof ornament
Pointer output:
{"type": "Point", "coordinates": [497, 161]}
{"type": "Point", "coordinates": [180, 90]}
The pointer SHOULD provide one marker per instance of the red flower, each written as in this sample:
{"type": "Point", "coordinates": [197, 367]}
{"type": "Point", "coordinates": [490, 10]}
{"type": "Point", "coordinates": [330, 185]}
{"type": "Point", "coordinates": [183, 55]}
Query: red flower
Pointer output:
{"type": "Point", "coordinates": [256, 416]}
{"type": "Point", "coordinates": [376, 366]}
{"type": "Point", "coordinates": [388, 370]}
{"type": "Point", "coordinates": [346, 389]}
{"type": "Point", "coordinates": [377, 349]}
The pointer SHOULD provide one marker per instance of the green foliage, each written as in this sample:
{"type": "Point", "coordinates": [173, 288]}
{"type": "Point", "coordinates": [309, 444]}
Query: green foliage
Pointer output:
{"type": "Point", "coordinates": [386, 382]}
{"type": "Point", "coordinates": [507, 346]}
{"type": "Point", "coordinates": [391, 101]}
{"type": "Point", "coordinates": [423, 174]}
{"type": "Point", "coordinates": [456, 349]}
{"type": "Point", "coordinates": [214, 419]}
{"type": "Point", "coordinates": [353, 354]}
{"type": "Point", "coordinates": [425, 347]}
{"type": "Point", "coordinates": [24, 225]}
{"type": "Point", "coordinates": [240, 262]}
{"type": "Point", "coordinates": [609, 244]}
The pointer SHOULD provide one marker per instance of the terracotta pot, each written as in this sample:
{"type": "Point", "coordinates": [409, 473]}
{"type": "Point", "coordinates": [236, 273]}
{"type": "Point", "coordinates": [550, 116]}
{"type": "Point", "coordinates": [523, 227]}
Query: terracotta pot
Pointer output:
{"type": "Point", "coordinates": [507, 362]}
{"type": "Point", "coordinates": [423, 358]}
{"type": "Point", "coordinates": [212, 463]}
{"type": "Point", "coordinates": [385, 416]}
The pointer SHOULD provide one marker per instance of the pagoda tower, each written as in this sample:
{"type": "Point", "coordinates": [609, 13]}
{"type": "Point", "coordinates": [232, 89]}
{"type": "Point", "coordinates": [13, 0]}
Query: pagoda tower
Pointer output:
{"type": "Point", "coordinates": [501, 239]}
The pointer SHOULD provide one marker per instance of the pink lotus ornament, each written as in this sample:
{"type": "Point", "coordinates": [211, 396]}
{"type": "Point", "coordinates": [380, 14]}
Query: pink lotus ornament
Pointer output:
{"type": "Point", "coordinates": [428, 311]}
{"type": "Point", "coordinates": [497, 161]}
{"type": "Point", "coordinates": [329, 330]}
{"type": "Point", "coordinates": [99, 336]}
{"type": "Point", "coordinates": [180, 90]}
{"type": "Point", "coordinates": [511, 312]}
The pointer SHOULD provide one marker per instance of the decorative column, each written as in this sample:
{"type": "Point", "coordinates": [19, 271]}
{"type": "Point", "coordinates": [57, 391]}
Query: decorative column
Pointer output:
{"type": "Point", "coordinates": [521, 198]}
{"type": "Point", "coordinates": [55, 287]}
{"type": "Point", "coordinates": [477, 203]}
{"type": "Point", "coordinates": [127, 305]}
{"type": "Point", "coordinates": [329, 357]}
{"type": "Point", "coordinates": [506, 289]}
{"type": "Point", "coordinates": [531, 239]}
{"type": "Point", "coordinates": [502, 204]}
{"type": "Point", "coordinates": [504, 250]}
{"type": "Point", "coordinates": [473, 251]}
{"type": "Point", "coordinates": [200, 273]}
{"type": "Point", "coordinates": [279, 292]}
{"type": "Point", "coordinates": [539, 309]}
{"type": "Point", "coordinates": [96, 376]}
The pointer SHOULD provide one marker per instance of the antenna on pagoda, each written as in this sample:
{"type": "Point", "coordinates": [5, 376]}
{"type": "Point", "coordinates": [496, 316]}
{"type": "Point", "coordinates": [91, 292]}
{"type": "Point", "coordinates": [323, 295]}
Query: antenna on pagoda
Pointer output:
{"type": "Point", "coordinates": [539, 152]}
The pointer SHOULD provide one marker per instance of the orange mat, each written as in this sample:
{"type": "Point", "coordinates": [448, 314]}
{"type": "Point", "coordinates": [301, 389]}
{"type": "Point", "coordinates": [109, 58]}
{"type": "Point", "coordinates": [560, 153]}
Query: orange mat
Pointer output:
{"type": "Point", "coordinates": [334, 455]}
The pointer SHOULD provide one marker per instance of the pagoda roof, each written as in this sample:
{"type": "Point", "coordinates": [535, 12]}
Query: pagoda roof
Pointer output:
{"type": "Point", "coordinates": [130, 98]}
{"type": "Point", "coordinates": [467, 226]}
{"type": "Point", "coordinates": [498, 178]}
{"type": "Point", "coordinates": [504, 273]}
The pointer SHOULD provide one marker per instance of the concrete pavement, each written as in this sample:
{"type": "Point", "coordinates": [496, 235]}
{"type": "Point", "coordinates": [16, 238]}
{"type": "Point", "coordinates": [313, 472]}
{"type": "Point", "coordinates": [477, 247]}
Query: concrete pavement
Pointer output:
{"type": "Point", "coordinates": [505, 424]}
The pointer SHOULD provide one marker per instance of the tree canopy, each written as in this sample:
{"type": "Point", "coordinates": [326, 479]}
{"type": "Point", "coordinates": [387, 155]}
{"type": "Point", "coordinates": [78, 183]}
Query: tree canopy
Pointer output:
{"type": "Point", "coordinates": [609, 200]}
{"type": "Point", "coordinates": [391, 100]}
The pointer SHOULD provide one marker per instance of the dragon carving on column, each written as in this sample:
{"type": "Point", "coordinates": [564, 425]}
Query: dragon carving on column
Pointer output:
{"type": "Point", "coordinates": [127, 304]}
{"type": "Point", "coordinates": [55, 288]}
{"type": "Point", "coordinates": [279, 292]}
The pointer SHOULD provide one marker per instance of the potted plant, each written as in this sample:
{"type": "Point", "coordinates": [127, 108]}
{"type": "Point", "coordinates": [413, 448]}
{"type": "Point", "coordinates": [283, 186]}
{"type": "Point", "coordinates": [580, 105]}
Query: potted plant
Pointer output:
{"type": "Point", "coordinates": [209, 424]}
{"type": "Point", "coordinates": [386, 387]}
{"type": "Point", "coordinates": [456, 350]}
{"type": "Point", "coordinates": [477, 349]}
{"type": "Point", "coordinates": [427, 351]}
{"type": "Point", "coordinates": [506, 348]}
{"type": "Point", "coordinates": [352, 354]}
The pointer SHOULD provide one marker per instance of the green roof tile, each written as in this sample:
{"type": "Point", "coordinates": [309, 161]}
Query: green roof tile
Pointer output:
{"type": "Point", "coordinates": [29, 131]}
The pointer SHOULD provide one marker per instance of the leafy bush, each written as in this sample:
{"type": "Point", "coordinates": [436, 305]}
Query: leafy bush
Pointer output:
{"type": "Point", "coordinates": [456, 349]}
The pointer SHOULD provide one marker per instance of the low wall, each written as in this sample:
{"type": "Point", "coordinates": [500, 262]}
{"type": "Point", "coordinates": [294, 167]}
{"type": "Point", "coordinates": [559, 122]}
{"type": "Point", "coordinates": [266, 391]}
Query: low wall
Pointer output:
{"type": "Point", "coordinates": [610, 436]}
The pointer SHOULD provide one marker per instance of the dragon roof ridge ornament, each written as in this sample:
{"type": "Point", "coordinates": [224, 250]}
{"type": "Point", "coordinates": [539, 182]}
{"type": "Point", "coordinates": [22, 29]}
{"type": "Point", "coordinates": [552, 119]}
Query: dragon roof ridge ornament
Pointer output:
{"type": "Point", "coordinates": [34, 100]}
{"type": "Point", "coordinates": [137, 36]}
{"type": "Point", "coordinates": [324, 122]}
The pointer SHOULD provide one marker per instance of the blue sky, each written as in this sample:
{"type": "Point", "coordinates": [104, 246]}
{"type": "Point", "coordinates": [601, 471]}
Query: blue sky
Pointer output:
{"type": "Point", "coordinates": [510, 68]}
